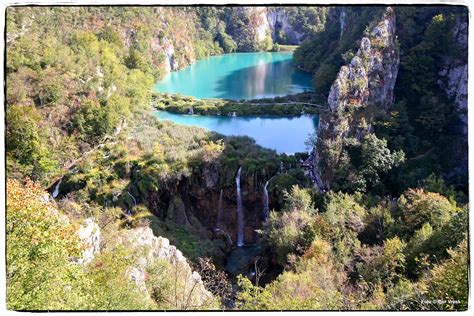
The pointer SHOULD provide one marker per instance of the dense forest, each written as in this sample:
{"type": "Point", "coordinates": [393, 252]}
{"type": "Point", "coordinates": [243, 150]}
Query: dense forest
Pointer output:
{"type": "Point", "coordinates": [109, 208]}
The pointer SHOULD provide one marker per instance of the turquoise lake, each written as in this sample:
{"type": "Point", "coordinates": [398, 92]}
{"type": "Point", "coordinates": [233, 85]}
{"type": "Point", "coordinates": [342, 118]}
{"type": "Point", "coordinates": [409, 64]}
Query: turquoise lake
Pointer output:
{"type": "Point", "coordinates": [283, 134]}
{"type": "Point", "coordinates": [238, 76]}
{"type": "Point", "coordinates": [245, 76]}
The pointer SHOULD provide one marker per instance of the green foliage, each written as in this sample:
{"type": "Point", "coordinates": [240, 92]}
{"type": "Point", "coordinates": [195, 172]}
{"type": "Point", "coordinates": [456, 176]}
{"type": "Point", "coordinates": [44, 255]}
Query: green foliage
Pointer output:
{"type": "Point", "coordinates": [39, 248]}
{"type": "Point", "coordinates": [192, 242]}
{"type": "Point", "coordinates": [26, 144]}
{"type": "Point", "coordinates": [375, 159]}
{"type": "Point", "coordinates": [88, 75]}
{"type": "Point", "coordinates": [92, 120]}
{"type": "Point", "coordinates": [344, 216]}
{"type": "Point", "coordinates": [251, 297]}
{"type": "Point", "coordinates": [108, 286]}
{"type": "Point", "coordinates": [423, 121]}
{"type": "Point", "coordinates": [289, 232]}
{"type": "Point", "coordinates": [448, 281]}
{"type": "Point", "coordinates": [292, 105]}
{"type": "Point", "coordinates": [227, 43]}
{"type": "Point", "coordinates": [417, 207]}
{"type": "Point", "coordinates": [387, 267]}
{"type": "Point", "coordinates": [299, 200]}
{"type": "Point", "coordinates": [313, 285]}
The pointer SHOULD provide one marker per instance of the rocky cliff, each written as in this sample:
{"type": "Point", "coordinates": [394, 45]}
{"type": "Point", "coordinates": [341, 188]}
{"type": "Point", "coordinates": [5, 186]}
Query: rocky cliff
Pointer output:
{"type": "Point", "coordinates": [157, 249]}
{"type": "Point", "coordinates": [363, 88]}
{"type": "Point", "coordinates": [150, 251]}
{"type": "Point", "coordinates": [198, 201]}
{"type": "Point", "coordinates": [454, 72]}
{"type": "Point", "coordinates": [279, 21]}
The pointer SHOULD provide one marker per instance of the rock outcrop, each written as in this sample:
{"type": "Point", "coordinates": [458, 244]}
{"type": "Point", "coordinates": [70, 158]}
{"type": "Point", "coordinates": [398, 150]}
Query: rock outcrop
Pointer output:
{"type": "Point", "coordinates": [159, 248]}
{"type": "Point", "coordinates": [362, 89]}
{"type": "Point", "coordinates": [454, 73]}
{"type": "Point", "coordinates": [89, 234]}
{"type": "Point", "coordinates": [195, 202]}
{"type": "Point", "coordinates": [279, 21]}
{"type": "Point", "coordinates": [150, 250]}
{"type": "Point", "coordinates": [170, 62]}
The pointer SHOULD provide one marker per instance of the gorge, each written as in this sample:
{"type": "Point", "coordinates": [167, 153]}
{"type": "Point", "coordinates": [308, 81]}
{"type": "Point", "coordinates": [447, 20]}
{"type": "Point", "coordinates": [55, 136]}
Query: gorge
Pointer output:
{"type": "Point", "coordinates": [232, 157]}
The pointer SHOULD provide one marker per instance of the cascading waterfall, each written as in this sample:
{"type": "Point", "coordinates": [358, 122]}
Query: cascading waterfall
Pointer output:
{"type": "Point", "coordinates": [266, 207]}
{"type": "Point", "coordinates": [133, 199]}
{"type": "Point", "coordinates": [226, 235]}
{"type": "Point", "coordinates": [56, 189]}
{"type": "Point", "coordinates": [219, 210]}
{"type": "Point", "coordinates": [240, 214]}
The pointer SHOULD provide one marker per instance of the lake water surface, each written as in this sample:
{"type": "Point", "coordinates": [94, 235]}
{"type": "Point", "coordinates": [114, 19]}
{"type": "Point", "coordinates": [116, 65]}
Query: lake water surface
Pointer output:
{"type": "Point", "coordinates": [245, 76]}
{"type": "Point", "coordinates": [238, 76]}
{"type": "Point", "coordinates": [284, 134]}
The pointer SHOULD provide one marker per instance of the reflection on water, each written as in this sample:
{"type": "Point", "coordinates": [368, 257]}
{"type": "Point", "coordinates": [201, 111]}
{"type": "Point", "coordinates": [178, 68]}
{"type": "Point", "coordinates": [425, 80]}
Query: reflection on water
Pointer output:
{"type": "Point", "coordinates": [238, 76]}
{"type": "Point", "coordinates": [283, 134]}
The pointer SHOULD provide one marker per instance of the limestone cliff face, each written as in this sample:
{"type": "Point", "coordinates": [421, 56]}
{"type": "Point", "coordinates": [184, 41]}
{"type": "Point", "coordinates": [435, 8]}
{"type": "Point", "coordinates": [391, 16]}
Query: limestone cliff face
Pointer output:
{"type": "Point", "coordinates": [454, 73]}
{"type": "Point", "coordinates": [150, 249]}
{"type": "Point", "coordinates": [362, 89]}
{"type": "Point", "coordinates": [259, 22]}
{"type": "Point", "coordinates": [196, 201]}
{"type": "Point", "coordinates": [89, 234]}
{"type": "Point", "coordinates": [159, 248]}
{"type": "Point", "coordinates": [279, 20]}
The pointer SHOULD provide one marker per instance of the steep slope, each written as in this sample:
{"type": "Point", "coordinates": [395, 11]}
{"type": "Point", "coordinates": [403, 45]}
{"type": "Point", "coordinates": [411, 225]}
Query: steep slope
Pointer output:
{"type": "Point", "coordinates": [363, 89]}
{"type": "Point", "coordinates": [56, 261]}
{"type": "Point", "coordinates": [334, 44]}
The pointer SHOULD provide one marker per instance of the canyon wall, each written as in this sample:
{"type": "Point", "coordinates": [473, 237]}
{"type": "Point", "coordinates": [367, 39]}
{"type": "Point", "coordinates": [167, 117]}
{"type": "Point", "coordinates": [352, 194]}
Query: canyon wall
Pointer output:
{"type": "Point", "coordinates": [454, 72]}
{"type": "Point", "coordinates": [195, 201]}
{"type": "Point", "coordinates": [362, 89]}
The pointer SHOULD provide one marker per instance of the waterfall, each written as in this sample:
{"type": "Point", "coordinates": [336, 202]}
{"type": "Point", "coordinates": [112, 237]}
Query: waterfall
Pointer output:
{"type": "Point", "coordinates": [219, 210]}
{"type": "Point", "coordinates": [133, 198]}
{"type": "Point", "coordinates": [266, 208]}
{"type": "Point", "coordinates": [226, 235]}
{"type": "Point", "coordinates": [342, 22]}
{"type": "Point", "coordinates": [56, 188]}
{"type": "Point", "coordinates": [240, 214]}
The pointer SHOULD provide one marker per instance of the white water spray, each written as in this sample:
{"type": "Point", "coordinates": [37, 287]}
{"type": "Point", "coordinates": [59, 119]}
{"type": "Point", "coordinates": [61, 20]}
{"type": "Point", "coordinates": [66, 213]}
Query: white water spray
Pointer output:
{"type": "Point", "coordinates": [240, 214]}
{"type": "Point", "coordinates": [56, 189]}
{"type": "Point", "coordinates": [219, 210]}
{"type": "Point", "coordinates": [266, 207]}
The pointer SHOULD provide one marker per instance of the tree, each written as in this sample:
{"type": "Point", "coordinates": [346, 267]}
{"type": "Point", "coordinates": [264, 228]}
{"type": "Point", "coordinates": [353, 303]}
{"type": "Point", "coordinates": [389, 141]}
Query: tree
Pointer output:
{"type": "Point", "coordinates": [313, 284]}
{"type": "Point", "coordinates": [40, 245]}
{"type": "Point", "coordinates": [299, 199]}
{"type": "Point", "coordinates": [344, 216]}
{"type": "Point", "coordinates": [376, 159]}
{"type": "Point", "coordinates": [92, 120]}
{"type": "Point", "coordinates": [216, 281]}
{"type": "Point", "coordinates": [417, 207]}
{"type": "Point", "coordinates": [387, 267]}
{"type": "Point", "coordinates": [25, 144]}
{"type": "Point", "coordinates": [448, 281]}
{"type": "Point", "coordinates": [290, 231]}
{"type": "Point", "coordinates": [175, 287]}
